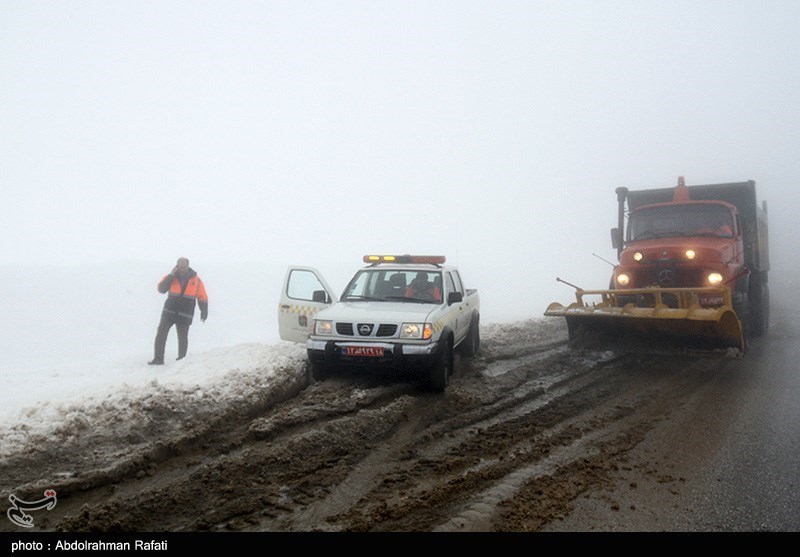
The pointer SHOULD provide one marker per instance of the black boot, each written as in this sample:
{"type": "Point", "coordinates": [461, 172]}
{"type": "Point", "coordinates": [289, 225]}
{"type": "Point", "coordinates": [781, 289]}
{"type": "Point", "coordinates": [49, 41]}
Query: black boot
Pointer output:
{"type": "Point", "coordinates": [156, 362]}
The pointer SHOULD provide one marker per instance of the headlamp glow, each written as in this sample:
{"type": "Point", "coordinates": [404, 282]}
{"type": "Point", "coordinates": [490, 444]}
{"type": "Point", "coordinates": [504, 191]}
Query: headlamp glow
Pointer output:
{"type": "Point", "coordinates": [416, 330]}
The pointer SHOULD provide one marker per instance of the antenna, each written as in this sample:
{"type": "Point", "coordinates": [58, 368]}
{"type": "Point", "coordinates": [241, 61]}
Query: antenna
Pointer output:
{"type": "Point", "coordinates": [559, 279]}
{"type": "Point", "coordinates": [603, 259]}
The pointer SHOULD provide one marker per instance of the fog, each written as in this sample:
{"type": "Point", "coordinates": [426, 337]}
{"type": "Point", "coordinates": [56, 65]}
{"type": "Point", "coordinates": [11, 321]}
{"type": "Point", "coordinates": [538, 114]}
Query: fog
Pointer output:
{"type": "Point", "coordinates": [248, 136]}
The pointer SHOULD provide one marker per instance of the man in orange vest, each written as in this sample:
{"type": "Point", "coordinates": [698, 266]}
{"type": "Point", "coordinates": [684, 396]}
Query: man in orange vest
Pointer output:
{"type": "Point", "coordinates": [421, 289]}
{"type": "Point", "coordinates": [184, 289]}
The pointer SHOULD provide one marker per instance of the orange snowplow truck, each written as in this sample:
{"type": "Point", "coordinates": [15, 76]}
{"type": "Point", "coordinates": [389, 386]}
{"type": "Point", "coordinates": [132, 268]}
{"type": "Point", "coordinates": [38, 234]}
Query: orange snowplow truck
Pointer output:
{"type": "Point", "coordinates": [693, 265]}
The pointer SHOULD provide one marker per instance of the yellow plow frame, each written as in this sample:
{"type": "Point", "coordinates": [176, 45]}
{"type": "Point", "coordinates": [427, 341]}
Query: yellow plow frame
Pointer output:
{"type": "Point", "coordinates": [668, 313]}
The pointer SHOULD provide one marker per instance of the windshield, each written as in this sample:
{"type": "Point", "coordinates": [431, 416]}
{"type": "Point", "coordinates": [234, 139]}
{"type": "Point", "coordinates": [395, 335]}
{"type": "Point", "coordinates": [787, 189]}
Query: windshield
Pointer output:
{"type": "Point", "coordinates": [702, 219]}
{"type": "Point", "coordinates": [392, 285]}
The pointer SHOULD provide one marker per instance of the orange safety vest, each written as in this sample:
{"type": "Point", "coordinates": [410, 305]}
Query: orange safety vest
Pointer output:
{"type": "Point", "coordinates": [432, 291]}
{"type": "Point", "coordinates": [181, 301]}
{"type": "Point", "coordinates": [194, 289]}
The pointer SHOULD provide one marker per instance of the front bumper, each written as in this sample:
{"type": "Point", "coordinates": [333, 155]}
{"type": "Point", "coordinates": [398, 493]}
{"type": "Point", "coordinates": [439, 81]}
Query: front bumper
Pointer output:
{"type": "Point", "coordinates": [395, 355]}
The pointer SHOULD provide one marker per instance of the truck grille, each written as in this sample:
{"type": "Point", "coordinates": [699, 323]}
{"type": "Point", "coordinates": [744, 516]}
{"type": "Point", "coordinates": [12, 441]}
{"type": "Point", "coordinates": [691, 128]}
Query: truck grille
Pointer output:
{"type": "Point", "coordinates": [668, 277]}
{"type": "Point", "coordinates": [384, 330]}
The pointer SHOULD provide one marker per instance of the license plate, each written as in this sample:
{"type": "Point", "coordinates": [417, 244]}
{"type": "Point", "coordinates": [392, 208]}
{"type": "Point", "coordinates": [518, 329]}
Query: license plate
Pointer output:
{"type": "Point", "coordinates": [368, 351]}
{"type": "Point", "coordinates": [710, 300]}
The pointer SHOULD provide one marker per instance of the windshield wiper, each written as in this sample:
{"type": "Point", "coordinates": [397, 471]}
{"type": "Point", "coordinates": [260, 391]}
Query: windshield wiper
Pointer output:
{"type": "Point", "coordinates": [415, 300]}
{"type": "Point", "coordinates": [368, 298]}
{"type": "Point", "coordinates": [644, 235]}
{"type": "Point", "coordinates": [664, 234]}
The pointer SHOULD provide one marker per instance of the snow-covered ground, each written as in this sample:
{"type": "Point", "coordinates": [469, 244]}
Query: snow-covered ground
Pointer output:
{"type": "Point", "coordinates": [76, 340]}
{"type": "Point", "coordinates": [76, 337]}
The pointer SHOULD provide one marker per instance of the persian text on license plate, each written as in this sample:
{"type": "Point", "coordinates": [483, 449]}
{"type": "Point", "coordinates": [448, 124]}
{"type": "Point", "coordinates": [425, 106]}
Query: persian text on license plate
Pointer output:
{"type": "Point", "coordinates": [369, 351]}
{"type": "Point", "coordinates": [710, 300]}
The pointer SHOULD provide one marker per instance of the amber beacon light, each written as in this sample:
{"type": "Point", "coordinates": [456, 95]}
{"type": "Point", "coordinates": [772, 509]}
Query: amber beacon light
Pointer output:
{"type": "Point", "coordinates": [430, 259]}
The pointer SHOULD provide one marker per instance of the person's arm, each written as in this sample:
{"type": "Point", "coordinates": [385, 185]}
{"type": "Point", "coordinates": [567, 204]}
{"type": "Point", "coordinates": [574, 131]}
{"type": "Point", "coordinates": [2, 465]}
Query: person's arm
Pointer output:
{"type": "Point", "coordinates": [165, 283]}
{"type": "Point", "coordinates": [202, 300]}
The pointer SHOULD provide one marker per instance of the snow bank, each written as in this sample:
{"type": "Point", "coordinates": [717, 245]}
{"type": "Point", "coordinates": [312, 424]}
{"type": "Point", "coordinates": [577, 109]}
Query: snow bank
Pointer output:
{"type": "Point", "coordinates": [148, 402]}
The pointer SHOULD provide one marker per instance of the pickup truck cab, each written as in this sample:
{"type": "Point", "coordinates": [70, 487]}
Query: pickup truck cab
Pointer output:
{"type": "Point", "coordinates": [397, 312]}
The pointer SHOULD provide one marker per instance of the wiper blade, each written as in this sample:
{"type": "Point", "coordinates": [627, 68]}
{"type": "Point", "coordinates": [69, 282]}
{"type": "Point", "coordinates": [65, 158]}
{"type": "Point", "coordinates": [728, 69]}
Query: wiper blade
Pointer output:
{"type": "Point", "coordinates": [407, 299]}
{"type": "Point", "coordinates": [368, 298]}
{"type": "Point", "coordinates": [663, 234]}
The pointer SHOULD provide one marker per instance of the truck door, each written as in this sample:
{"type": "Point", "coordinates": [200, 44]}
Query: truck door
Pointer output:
{"type": "Point", "coordinates": [464, 315]}
{"type": "Point", "coordinates": [455, 310]}
{"type": "Point", "coordinates": [462, 323]}
{"type": "Point", "coordinates": [305, 292]}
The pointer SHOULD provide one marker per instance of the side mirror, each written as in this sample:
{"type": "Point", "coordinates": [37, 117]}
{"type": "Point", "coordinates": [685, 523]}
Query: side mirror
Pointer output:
{"type": "Point", "coordinates": [320, 296]}
{"type": "Point", "coordinates": [454, 298]}
{"type": "Point", "coordinates": [615, 238]}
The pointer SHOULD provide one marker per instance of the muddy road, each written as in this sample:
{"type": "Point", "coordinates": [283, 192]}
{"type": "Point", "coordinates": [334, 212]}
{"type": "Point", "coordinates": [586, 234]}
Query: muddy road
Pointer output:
{"type": "Point", "coordinates": [532, 435]}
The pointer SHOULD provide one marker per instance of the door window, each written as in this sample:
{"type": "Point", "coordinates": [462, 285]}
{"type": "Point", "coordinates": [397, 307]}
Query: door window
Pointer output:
{"type": "Point", "coordinates": [302, 285]}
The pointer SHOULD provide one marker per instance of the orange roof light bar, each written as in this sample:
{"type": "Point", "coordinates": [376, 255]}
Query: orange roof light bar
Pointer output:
{"type": "Point", "coordinates": [430, 259]}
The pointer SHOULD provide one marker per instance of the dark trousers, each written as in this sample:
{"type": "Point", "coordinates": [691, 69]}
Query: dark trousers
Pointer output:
{"type": "Point", "coordinates": [168, 319]}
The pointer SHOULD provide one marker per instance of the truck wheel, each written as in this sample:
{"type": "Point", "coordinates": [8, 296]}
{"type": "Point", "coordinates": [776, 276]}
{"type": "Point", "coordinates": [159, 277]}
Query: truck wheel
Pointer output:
{"type": "Point", "coordinates": [443, 368]}
{"type": "Point", "coordinates": [472, 343]}
{"type": "Point", "coordinates": [742, 310]}
{"type": "Point", "coordinates": [759, 305]}
{"type": "Point", "coordinates": [319, 371]}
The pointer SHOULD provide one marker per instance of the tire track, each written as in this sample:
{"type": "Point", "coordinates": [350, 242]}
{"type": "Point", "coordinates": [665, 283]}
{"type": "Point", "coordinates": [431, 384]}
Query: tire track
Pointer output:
{"type": "Point", "coordinates": [525, 427]}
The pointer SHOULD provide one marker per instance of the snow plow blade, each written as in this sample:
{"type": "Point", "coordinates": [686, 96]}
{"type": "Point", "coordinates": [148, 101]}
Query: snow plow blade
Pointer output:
{"type": "Point", "coordinates": [672, 315]}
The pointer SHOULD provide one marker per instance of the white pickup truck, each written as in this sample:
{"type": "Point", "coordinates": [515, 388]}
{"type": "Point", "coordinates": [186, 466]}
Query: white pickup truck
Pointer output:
{"type": "Point", "coordinates": [399, 311]}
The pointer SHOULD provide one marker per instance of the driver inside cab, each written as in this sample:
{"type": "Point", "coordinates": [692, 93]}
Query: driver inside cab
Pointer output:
{"type": "Point", "coordinates": [421, 289]}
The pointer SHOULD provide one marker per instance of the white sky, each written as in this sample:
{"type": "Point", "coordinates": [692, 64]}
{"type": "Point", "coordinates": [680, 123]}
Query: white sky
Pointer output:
{"type": "Point", "coordinates": [312, 132]}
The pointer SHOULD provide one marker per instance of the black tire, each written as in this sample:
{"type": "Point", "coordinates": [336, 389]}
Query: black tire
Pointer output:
{"type": "Point", "coordinates": [319, 371]}
{"type": "Point", "coordinates": [759, 304]}
{"type": "Point", "coordinates": [443, 368]}
{"type": "Point", "coordinates": [742, 309]}
{"type": "Point", "coordinates": [471, 344]}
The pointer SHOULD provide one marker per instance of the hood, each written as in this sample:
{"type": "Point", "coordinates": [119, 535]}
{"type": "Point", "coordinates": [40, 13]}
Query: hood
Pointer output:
{"type": "Point", "coordinates": [377, 312]}
{"type": "Point", "coordinates": [705, 248]}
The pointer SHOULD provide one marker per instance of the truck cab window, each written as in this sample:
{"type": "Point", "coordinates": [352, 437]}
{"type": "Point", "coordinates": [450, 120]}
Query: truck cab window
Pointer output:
{"type": "Point", "coordinates": [449, 285]}
{"type": "Point", "coordinates": [457, 282]}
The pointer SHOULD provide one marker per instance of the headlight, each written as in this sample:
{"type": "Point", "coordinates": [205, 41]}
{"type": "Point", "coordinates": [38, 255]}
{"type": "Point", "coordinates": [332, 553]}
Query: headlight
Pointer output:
{"type": "Point", "coordinates": [638, 256]}
{"type": "Point", "coordinates": [714, 279]}
{"type": "Point", "coordinates": [323, 327]}
{"type": "Point", "coordinates": [690, 254]}
{"type": "Point", "coordinates": [623, 279]}
{"type": "Point", "coordinates": [416, 330]}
